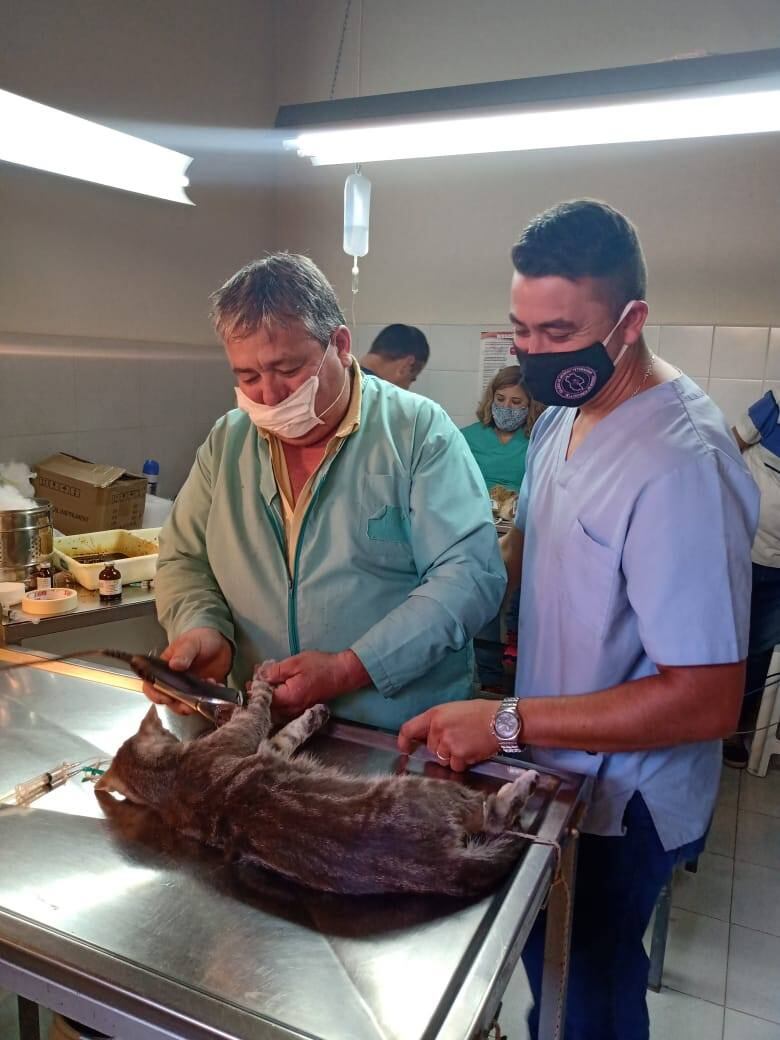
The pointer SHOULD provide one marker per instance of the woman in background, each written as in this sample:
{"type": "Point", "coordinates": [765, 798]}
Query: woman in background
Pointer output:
{"type": "Point", "coordinates": [499, 442]}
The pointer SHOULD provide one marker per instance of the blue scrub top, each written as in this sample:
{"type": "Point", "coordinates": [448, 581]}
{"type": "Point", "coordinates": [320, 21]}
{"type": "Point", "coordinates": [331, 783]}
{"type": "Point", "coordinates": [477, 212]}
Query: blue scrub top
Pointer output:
{"type": "Point", "coordinates": [500, 464]}
{"type": "Point", "coordinates": [637, 553]}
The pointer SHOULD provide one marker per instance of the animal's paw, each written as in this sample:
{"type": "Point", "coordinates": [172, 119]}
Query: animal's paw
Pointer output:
{"type": "Point", "coordinates": [504, 807]}
{"type": "Point", "coordinates": [258, 689]}
{"type": "Point", "coordinates": [532, 780]}
{"type": "Point", "coordinates": [257, 673]}
{"type": "Point", "coordinates": [318, 714]}
{"type": "Point", "coordinates": [520, 789]}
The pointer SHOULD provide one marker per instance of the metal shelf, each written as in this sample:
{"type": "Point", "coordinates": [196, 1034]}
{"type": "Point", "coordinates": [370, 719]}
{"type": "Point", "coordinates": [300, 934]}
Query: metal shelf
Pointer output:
{"type": "Point", "coordinates": [137, 601]}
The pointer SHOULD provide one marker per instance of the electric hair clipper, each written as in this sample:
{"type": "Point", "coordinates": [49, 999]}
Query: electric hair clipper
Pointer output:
{"type": "Point", "coordinates": [205, 697]}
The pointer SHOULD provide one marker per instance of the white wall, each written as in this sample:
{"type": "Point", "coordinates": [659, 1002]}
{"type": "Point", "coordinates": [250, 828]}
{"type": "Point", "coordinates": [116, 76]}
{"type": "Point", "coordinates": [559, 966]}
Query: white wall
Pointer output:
{"type": "Point", "coordinates": [116, 401]}
{"type": "Point", "coordinates": [82, 259]}
{"type": "Point", "coordinates": [735, 365]}
{"type": "Point", "coordinates": [413, 44]}
{"type": "Point", "coordinates": [441, 229]}
{"type": "Point", "coordinates": [103, 293]}
{"type": "Point", "coordinates": [114, 286]}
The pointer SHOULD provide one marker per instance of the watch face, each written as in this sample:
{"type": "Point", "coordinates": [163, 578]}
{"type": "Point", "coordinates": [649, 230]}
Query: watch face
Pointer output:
{"type": "Point", "coordinates": [507, 725]}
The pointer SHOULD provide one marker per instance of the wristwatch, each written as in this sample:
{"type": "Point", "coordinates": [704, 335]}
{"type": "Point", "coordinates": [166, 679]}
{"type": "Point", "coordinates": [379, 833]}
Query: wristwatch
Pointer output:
{"type": "Point", "coordinates": [507, 725]}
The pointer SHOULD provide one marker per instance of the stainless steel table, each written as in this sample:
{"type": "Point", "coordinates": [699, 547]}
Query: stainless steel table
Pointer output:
{"type": "Point", "coordinates": [131, 930]}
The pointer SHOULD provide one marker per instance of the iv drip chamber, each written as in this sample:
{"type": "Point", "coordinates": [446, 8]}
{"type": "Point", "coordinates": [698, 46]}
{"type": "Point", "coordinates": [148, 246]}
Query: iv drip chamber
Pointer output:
{"type": "Point", "coordinates": [357, 204]}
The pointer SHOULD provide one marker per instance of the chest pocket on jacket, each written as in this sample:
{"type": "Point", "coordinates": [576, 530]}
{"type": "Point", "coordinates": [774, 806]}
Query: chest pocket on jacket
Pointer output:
{"type": "Point", "coordinates": [385, 525]}
{"type": "Point", "coordinates": [590, 578]}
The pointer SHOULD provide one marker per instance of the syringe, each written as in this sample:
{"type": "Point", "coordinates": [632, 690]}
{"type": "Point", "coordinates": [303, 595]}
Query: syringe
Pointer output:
{"type": "Point", "coordinates": [28, 790]}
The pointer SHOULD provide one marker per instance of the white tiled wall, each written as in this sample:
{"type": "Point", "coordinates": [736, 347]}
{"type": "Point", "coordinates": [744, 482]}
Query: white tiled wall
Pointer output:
{"type": "Point", "coordinates": [122, 402]}
{"type": "Point", "coordinates": [115, 402]}
{"type": "Point", "coordinates": [689, 347]}
{"type": "Point", "coordinates": [736, 365]}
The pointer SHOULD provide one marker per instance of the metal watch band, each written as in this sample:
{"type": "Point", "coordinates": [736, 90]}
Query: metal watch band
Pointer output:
{"type": "Point", "coordinates": [511, 747]}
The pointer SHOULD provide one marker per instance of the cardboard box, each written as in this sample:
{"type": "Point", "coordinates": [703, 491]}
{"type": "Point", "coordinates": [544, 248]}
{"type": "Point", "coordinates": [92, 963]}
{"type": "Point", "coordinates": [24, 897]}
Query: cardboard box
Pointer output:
{"type": "Point", "coordinates": [87, 496]}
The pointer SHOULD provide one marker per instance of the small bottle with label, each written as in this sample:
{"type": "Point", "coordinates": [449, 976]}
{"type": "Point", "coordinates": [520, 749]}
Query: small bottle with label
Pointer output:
{"type": "Point", "coordinates": [110, 584]}
{"type": "Point", "coordinates": [44, 575]}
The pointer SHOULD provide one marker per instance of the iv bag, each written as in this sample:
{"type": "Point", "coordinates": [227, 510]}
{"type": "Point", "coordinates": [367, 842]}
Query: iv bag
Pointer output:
{"type": "Point", "coordinates": [357, 203]}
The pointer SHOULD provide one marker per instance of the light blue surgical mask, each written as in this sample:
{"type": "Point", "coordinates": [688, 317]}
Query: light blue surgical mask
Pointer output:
{"type": "Point", "coordinates": [508, 419]}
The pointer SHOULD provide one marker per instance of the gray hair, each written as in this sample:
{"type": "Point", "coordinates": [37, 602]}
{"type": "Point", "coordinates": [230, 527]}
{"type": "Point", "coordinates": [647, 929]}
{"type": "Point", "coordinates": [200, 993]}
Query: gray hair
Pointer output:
{"type": "Point", "coordinates": [280, 288]}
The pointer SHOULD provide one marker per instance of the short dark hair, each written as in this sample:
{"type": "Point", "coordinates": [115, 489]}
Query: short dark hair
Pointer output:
{"type": "Point", "coordinates": [584, 238]}
{"type": "Point", "coordinates": [398, 341]}
{"type": "Point", "coordinates": [279, 288]}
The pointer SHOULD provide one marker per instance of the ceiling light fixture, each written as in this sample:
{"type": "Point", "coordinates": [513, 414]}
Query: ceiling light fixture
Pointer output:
{"type": "Point", "coordinates": [684, 99]}
{"type": "Point", "coordinates": [528, 131]}
{"type": "Point", "coordinates": [45, 138]}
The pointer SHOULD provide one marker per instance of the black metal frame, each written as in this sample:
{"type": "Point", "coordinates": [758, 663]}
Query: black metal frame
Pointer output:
{"type": "Point", "coordinates": [741, 71]}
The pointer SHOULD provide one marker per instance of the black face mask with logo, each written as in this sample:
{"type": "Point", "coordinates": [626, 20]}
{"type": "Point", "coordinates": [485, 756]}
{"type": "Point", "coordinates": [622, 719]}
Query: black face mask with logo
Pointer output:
{"type": "Point", "coordinates": [570, 378]}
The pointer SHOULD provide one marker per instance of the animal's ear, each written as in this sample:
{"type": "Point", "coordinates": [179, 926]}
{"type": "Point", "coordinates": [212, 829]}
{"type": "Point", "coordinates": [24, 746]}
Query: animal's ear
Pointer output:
{"type": "Point", "coordinates": [151, 723]}
{"type": "Point", "coordinates": [150, 727]}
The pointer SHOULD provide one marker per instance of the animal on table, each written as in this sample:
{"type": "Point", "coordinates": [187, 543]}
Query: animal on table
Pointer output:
{"type": "Point", "coordinates": [240, 789]}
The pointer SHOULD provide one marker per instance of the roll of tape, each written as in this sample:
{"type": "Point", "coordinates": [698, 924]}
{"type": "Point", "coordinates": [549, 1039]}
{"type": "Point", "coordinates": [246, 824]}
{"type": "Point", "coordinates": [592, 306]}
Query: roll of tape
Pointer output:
{"type": "Point", "coordinates": [47, 602]}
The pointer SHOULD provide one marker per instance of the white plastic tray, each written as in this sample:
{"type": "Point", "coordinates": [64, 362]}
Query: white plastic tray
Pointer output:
{"type": "Point", "coordinates": [135, 568]}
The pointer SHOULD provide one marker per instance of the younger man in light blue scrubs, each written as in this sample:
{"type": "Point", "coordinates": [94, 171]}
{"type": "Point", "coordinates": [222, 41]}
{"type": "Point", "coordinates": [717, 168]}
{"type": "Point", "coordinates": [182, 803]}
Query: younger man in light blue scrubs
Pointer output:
{"type": "Point", "coordinates": [634, 532]}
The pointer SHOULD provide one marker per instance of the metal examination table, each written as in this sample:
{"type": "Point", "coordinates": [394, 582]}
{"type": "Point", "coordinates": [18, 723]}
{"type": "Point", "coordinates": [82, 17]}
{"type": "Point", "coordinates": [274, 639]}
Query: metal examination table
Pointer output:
{"type": "Point", "coordinates": [133, 931]}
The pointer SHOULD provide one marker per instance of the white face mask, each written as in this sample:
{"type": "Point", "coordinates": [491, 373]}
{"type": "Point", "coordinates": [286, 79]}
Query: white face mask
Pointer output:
{"type": "Point", "coordinates": [295, 416]}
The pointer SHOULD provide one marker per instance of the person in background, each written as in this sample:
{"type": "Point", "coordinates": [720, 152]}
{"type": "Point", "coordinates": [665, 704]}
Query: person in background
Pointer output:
{"type": "Point", "coordinates": [317, 528]}
{"type": "Point", "coordinates": [758, 436]}
{"type": "Point", "coordinates": [633, 533]}
{"type": "Point", "coordinates": [398, 355]}
{"type": "Point", "coordinates": [499, 442]}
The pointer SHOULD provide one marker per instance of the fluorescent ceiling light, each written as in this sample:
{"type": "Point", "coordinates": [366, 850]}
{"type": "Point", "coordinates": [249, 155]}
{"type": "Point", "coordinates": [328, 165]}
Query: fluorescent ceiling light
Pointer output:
{"type": "Point", "coordinates": [705, 96]}
{"type": "Point", "coordinates": [45, 138]}
{"type": "Point", "coordinates": [755, 112]}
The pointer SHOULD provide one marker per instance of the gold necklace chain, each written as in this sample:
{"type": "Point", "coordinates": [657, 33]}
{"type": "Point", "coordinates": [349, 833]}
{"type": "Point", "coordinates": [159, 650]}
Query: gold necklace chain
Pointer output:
{"type": "Point", "coordinates": [646, 376]}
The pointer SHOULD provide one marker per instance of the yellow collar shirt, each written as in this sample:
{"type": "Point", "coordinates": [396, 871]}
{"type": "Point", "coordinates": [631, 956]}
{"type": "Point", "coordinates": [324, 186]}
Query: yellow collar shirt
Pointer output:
{"type": "Point", "coordinates": [293, 512]}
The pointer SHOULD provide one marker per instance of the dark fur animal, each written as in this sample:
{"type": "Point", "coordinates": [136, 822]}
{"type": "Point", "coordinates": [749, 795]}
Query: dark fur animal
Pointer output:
{"type": "Point", "coordinates": [241, 790]}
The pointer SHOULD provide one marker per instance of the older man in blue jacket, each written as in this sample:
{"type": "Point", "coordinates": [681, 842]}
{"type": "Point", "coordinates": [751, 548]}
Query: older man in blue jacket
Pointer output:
{"type": "Point", "coordinates": [333, 522]}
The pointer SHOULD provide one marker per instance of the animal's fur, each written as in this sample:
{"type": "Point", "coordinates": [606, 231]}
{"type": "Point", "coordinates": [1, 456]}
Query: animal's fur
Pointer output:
{"type": "Point", "coordinates": [241, 790]}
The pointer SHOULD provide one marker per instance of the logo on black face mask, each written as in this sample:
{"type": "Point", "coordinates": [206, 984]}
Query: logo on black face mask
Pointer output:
{"type": "Point", "coordinates": [575, 382]}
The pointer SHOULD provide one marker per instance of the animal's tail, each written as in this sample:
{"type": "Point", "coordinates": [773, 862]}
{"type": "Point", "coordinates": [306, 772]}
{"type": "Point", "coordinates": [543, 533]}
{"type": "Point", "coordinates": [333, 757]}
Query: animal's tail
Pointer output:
{"type": "Point", "coordinates": [481, 864]}
{"type": "Point", "coordinates": [495, 856]}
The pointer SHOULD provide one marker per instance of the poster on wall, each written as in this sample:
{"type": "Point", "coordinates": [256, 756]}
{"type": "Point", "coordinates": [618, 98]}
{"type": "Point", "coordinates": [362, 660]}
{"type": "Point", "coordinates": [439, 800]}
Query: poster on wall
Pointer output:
{"type": "Point", "coordinates": [494, 355]}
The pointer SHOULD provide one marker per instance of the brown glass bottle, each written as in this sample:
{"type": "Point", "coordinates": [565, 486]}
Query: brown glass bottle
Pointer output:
{"type": "Point", "coordinates": [110, 584]}
{"type": "Point", "coordinates": [44, 575]}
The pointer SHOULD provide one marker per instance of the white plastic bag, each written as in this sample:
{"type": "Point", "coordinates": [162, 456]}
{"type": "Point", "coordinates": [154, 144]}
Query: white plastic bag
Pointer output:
{"type": "Point", "coordinates": [16, 488]}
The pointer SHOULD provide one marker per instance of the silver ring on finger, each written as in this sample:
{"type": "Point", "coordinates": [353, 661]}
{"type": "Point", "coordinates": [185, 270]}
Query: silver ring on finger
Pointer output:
{"type": "Point", "coordinates": [442, 758]}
